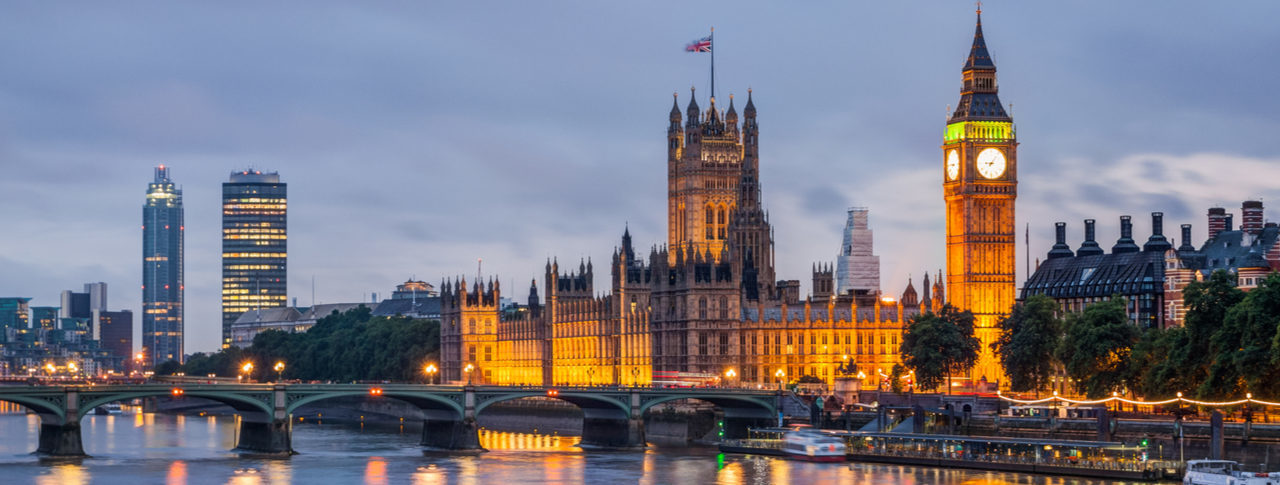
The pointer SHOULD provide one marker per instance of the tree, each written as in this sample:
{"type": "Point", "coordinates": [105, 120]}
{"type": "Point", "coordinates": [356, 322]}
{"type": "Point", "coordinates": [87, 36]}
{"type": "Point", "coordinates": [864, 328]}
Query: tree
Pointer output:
{"type": "Point", "coordinates": [1095, 351]}
{"type": "Point", "coordinates": [341, 347]}
{"type": "Point", "coordinates": [1248, 341]}
{"type": "Point", "coordinates": [1194, 362]}
{"type": "Point", "coordinates": [936, 346]}
{"type": "Point", "coordinates": [1028, 338]}
{"type": "Point", "coordinates": [168, 368]}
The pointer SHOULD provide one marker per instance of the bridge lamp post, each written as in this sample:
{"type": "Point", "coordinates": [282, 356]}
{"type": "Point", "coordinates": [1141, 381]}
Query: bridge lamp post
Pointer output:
{"type": "Point", "coordinates": [468, 369]}
{"type": "Point", "coordinates": [72, 368]}
{"type": "Point", "coordinates": [279, 368]}
{"type": "Point", "coordinates": [780, 375]}
{"type": "Point", "coordinates": [137, 363]}
{"type": "Point", "coordinates": [635, 376]}
{"type": "Point", "coordinates": [430, 370]}
{"type": "Point", "coordinates": [246, 370]}
{"type": "Point", "coordinates": [50, 368]}
{"type": "Point", "coordinates": [729, 375]}
{"type": "Point", "coordinates": [591, 376]}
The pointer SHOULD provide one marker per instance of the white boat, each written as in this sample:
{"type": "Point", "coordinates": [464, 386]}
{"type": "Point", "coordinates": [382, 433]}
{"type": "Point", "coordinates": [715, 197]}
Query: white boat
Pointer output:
{"type": "Point", "coordinates": [1225, 472]}
{"type": "Point", "coordinates": [812, 445]}
{"type": "Point", "coordinates": [109, 408]}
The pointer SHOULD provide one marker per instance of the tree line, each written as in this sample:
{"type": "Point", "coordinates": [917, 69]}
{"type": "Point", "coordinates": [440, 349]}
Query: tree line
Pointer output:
{"type": "Point", "coordinates": [349, 346]}
{"type": "Point", "coordinates": [1228, 346]}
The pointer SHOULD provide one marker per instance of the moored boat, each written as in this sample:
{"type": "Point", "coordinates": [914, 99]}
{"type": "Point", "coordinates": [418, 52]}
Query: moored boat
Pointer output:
{"type": "Point", "coordinates": [1225, 472]}
{"type": "Point", "coordinates": [812, 445]}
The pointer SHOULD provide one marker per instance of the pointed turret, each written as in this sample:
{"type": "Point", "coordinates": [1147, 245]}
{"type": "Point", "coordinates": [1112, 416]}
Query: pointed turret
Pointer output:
{"type": "Point", "coordinates": [731, 116]}
{"type": "Point", "coordinates": [749, 111]}
{"type": "Point", "coordinates": [978, 97]}
{"type": "Point", "coordinates": [675, 108]}
{"type": "Point", "coordinates": [978, 55]}
{"type": "Point", "coordinates": [693, 112]}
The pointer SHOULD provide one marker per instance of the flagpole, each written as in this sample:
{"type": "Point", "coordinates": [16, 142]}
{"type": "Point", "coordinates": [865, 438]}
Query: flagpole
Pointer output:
{"type": "Point", "coordinates": [713, 62]}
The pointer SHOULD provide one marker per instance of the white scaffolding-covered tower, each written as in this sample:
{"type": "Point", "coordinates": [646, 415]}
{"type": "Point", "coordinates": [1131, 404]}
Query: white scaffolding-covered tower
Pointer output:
{"type": "Point", "coordinates": [856, 268]}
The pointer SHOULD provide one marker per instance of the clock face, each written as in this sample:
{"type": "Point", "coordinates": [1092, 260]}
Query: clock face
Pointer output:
{"type": "Point", "coordinates": [953, 165]}
{"type": "Point", "coordinates": [991, 163]}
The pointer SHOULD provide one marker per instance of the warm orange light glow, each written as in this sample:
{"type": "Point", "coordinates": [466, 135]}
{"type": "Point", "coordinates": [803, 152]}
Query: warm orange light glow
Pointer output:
{"type": "Point", "coordinates": [375, 391]}
{"type": "Point", "coordinates": [247, 367]}
{"type": "Point", "coordinates": [279, 367]}
{"type": "Point", "coordinates": [177, 391]}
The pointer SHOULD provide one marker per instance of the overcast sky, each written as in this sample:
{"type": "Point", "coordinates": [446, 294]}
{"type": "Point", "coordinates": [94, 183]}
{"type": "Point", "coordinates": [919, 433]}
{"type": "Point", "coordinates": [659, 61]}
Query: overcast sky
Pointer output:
{"type": "Point", "coordinates": [418, 136]}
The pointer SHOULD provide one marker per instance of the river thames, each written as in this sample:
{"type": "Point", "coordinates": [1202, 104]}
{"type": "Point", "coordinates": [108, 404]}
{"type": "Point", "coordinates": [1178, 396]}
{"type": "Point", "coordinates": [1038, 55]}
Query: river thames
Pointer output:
{"type": "Point", "coordinates": [138, 449]}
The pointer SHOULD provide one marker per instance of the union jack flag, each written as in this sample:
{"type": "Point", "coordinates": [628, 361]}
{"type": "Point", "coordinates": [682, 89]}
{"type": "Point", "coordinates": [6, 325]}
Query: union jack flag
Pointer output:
{"type": "Point", "coordinates": [700, 45]}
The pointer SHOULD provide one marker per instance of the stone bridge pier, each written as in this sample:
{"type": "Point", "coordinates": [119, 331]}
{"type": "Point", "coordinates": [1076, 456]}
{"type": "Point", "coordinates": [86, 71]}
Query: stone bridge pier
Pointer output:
{"type": "Point", "coordinates": [60, 428]}
{"type": "Point", "coordinates": [262, 432]}
{"type": "Point", "coordinates": [445, 429]}
{"type": "Point", "coordinates": [605, 425]}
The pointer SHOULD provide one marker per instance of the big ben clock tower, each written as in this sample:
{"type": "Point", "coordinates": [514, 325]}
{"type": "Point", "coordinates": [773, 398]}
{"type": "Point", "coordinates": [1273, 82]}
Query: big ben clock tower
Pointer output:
{"type": "Point", "coordinates": [980, 184]}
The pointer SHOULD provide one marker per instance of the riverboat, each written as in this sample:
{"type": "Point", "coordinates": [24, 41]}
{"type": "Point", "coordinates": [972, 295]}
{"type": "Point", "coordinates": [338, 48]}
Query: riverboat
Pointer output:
{"type": "Point", "coordinates": [109, 408]}
{"type": "Point", "coordinates": [1225, 472]}
{"type": "Point", "coordinates": [812, 445]}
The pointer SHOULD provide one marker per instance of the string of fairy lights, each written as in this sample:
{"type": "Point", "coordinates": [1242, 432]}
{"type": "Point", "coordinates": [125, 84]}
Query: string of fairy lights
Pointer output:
{"type": "Point", "coordinates": [1248, 399]}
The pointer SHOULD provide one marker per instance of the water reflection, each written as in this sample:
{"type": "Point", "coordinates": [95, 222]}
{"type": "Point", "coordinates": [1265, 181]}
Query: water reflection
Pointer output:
{"type": "Point", "coordinates": [195, 449]}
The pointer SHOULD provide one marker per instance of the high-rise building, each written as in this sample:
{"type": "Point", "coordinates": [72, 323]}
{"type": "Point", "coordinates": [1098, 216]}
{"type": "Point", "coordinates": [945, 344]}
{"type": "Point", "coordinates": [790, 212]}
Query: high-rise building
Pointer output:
{"type": "Point", "coordinates": [857, 269]}
{"type": "Point", "coordinates": [980, 184]}
{"type": "Point", "coordinates": [254, 245]}
{"type": "Point", "coordinates": [115, 330]}
{"type": "Point", "coordinates": [162, 271]}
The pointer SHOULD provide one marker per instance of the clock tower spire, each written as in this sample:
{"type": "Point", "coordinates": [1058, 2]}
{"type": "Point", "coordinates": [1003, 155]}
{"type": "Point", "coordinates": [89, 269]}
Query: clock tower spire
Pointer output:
{"type": "Point", "coordinates": [980, 185]}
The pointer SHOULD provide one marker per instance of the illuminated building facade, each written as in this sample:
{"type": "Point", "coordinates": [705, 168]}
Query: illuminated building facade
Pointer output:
{"type": "Point", "coordinates": [704, 304]}
{"type": "Point", "coordinates": [254, 245]}
{"type": "Point", "coordinates": [162, 271]}
{"type": "Point", "coordinates": [980, 185]}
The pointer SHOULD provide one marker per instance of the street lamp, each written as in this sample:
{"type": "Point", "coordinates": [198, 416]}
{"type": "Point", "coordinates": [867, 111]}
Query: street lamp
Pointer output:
{"type": "Point", "coordinates": [468, 369]}
{"type": "Point", "coordinates": [635, 376]}
{"type": "Point", "coordinates": [780, 375]}
{"type": "Point", "coordinates": [246, 369]}
{"type": "Point", "coordinates": [729, 374]}
{"type": "Point", "coordinates": [591, 376]}
{"type": "Point", "coordinates": [137, 362]}
{"type": "Point", "coordinates": [430, 370]}
{"type": "Point", "coordinates": [279, 367]}
{"type": "Point", "coordinates": [50, 368]}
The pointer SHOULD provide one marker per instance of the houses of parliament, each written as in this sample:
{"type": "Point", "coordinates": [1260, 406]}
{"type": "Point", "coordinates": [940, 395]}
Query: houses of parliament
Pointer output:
{"type": "Point", "coordinates": [708, 301]}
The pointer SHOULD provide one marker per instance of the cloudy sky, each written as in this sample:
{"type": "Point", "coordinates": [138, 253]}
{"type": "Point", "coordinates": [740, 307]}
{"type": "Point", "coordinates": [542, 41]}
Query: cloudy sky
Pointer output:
{"type": "Point", "coordinates": [418, 136]}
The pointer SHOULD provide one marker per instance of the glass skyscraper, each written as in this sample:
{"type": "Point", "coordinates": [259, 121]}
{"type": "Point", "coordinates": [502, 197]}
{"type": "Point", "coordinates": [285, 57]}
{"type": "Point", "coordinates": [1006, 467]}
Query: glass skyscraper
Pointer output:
{"type": "Point", "coordinates": [254, 245]}
{"type": "Point", "coordinates": [162, 285]}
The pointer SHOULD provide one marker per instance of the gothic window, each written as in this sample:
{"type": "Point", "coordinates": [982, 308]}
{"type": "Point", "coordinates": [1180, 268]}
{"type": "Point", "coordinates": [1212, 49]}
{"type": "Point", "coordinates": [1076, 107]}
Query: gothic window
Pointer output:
{"type": "Point", "coordinates": [724, 343]}
{"type": "Point", "coordinates": [702, 343]}
{"type": "Point", "coordinates": [702, 307]}
{"type": "Point", "coordinates": [724, 307]}
{"type": "Point", "coordinates": [471, 353]}
{"type": "Point", "coordinates": [488, 353]}
{"type": "Point", "coordinates": [471, 325]}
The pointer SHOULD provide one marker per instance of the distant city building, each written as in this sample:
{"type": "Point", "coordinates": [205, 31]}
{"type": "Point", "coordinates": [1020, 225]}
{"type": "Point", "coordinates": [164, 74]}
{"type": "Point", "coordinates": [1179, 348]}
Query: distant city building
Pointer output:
{"type": "Point", "coordinates": [162, 271]}
{"type": "Point", "coordinates": [1153, 277]}
{"type": "Point", "coordinates": [254, 245]}
{"type": "Point", "coordinates": [115, 333]}
{"type": "Point", "coordinates": [38, 341]}
{"type": "Point", "coordinates": [857, 269]}
{"type": "Point", "coordinates": [285, 319]}
{"type": "Point", "coordinates": [413, 299]}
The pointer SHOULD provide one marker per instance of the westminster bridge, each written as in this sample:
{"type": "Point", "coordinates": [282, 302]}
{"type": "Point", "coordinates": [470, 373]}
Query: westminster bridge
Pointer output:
{"type": "Point", "coordinates": [612, 417]}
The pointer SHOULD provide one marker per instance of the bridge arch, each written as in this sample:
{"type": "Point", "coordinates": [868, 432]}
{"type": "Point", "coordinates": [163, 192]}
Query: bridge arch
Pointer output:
{"type": "Point", "coordinates": [583, 400]}
{"type": "Point", "coordinates": [41, 407]}
{"type": "Point", "coordinates": [762, 404]}
{"type": "Point", "coordinates": [426, 401]}
{"type": "Point", "coordinates": [241, 402]}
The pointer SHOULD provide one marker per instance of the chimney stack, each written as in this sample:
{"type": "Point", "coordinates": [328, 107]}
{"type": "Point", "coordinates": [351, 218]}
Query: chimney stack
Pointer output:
{"type": "Point", "coordinates": [1217, 221]}
{"type": "Point", "coordinates": [1157, 241]}
{"type": "Point", "coordinates": [1186, 239]}
{"type": "Point", "coordinates": [1089, 247]}
{"type": "Point", "coordinates": [1228, 225]}
{"type": "Point", "coordinates": [1125, 244]}
{"type": "Point", "coordinates": [1251, 217]}
{"type": "Point", "coordinates": [1060, 247]}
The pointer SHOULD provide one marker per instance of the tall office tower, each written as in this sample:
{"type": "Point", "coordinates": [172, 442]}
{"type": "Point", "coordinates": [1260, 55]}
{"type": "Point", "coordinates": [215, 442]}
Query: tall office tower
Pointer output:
{"type": "Point", "coordinates": [857, 268]}
{"type": "Point", "coordinates": [254, 245]}
{"type": "Point", "coordinates": [162, 268]}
